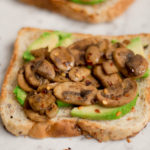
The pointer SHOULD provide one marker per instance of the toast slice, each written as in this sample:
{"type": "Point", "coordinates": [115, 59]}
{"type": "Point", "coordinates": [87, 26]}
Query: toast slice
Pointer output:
{"type": "Point", "coordinates": [102, 12]}
{"type": "Point", "coordinates": [63, 125]}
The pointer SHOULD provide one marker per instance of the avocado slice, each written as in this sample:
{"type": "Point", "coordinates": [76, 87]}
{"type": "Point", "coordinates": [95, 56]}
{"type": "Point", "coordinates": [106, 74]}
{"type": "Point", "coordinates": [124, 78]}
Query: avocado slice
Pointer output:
{"type": "Point", "coordinates": [66, 42]}
{"type": "Point", "coordinates": [62, 104]}
{"type": "Point", "coordinates": [136, 46]}
{"type": "Point", "coordinates": [47, 39]}
{"type": "Point", "coordinates": [88, 2]}
{"type": "Point", "coordinates": [65, 39]}
{"type": "Point", "coordinates": [96, 112]}
{"type": "Point", "coordinates": [20, 95]}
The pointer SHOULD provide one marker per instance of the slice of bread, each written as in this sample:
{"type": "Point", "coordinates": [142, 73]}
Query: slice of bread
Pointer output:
{"type": "Point", "coordinates": [64, 125]}
{"type": "Point", "coordinates": [102, 12]}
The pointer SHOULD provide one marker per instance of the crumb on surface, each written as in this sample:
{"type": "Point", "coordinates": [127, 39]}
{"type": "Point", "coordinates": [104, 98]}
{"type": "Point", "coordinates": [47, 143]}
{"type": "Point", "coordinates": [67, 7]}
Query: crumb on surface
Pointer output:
{"type": "Point", "coordinates": [128, 140]}
{"type": "Point", "coordinates": [67, 148]}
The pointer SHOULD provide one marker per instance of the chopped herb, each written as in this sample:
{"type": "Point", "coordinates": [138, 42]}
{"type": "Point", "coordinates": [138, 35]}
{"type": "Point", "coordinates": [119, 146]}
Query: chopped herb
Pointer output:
{"type": "Point", "coordinates": [89, 67]}
{"type": "Point", "coordinates": [146, 46]}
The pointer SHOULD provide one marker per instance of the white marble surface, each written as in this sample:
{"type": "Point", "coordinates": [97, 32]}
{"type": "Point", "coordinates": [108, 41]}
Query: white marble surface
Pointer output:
{"type": "Point", "coordinates": [14, 15]}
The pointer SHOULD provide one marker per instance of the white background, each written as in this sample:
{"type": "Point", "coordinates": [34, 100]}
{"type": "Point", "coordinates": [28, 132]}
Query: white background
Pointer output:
{"type": "Point", "coordinates": [14, 15]}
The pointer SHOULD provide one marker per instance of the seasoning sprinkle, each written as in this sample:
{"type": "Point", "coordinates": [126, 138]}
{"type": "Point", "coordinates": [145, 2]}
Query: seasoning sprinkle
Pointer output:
{"type": "Point", "coordinates": [118, 113]}
{"type": "Point", "coordinates": [97, 110]}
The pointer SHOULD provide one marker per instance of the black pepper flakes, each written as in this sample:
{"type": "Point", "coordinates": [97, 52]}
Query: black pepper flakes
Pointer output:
{"type": "Point", "coordinates": [145, 46]}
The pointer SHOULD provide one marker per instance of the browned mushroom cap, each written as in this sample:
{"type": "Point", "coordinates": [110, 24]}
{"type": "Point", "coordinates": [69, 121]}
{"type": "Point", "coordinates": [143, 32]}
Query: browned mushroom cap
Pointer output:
{"type": "Point", "coordinates": [22, 82]}
{"type": "Point", "coordinates": [109, 67]}
{"type": "Point", "coordinates": [62, 58]}
{"type": "Point", "coordinates": [30, 75]}
{"type": "Point", "coordinates": [46, 70]}
{"type": "Point", "coordinates": [35, 116]}
{"type": "Point", "coordinates": [79, 56]}
{"type": "Point", "coordinates": [90, 80]}
{"type": "Point", "coordinates": [40, 53]}
{"type": "Point", "coordinates": [111, 49]}
{"type": "Point", "coordinates": [85, 43]}
{"type": "Point", "coordinates": [79, 73]}
{"type": "Point", "coordinates": [52, 111]}
{"type": "Point", "coordinates": [75, 93]}
{"type": "Point", "coordinates": [40, 101]}
{"type": "Point", "coordinates": [137, 66]}
{"type": "Point", "coordinates": [93, 55]}
{"type": "Point", "coordinates": [121, 56]}
{"type": "Point", "coordinates": [106, 80]}
{"type": "Point", "coordinates": [118, 95]}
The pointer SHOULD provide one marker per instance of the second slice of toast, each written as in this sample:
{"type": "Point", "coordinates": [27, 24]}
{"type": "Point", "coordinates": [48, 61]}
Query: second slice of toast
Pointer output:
{"type": "Point", "coordinates": [103, 12]}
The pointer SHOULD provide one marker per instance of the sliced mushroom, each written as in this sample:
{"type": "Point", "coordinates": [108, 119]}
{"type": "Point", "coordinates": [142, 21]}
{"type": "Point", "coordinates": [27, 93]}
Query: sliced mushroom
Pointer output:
{"type": "Point", "coordinates": [62, 58]}
{"type": "Point", "coordinates": [111, 49]}
{"type": "Point", "coordinates": [40, 101]}
{"type": "Point", "coordinates": [121, 56]}
{"type": "Point", "coordinates": [93, 55]}
{"type": "Point", "coordinates": [52, 111]}
{"type": "Point", "coordinates": [75, 93]}
{"type": "Point", "coordinates": [90, 80]}
{"type": "Point", "coordinates": [47, 87]}
{"type": "Point", "coordinates": [106, 80]}
{"type": "Point", "coordinates": [46, 70]}
{"type": "Point", "coordinates": [40, 53]}
{"type": "Point", "coordinates": [109, 67]}
{"type": "Point", "coordinates": [35, 116]}
{"type": "Point", "coordinates": [79, 56]}
{"type": "Point", "coordinates": [137, 66]}
{"type": "Point", "coordinates": [85, 43]}
{"type": "Point", "coordinates": [103, 45]}
{"type": "Point", "coordinates": [79, 73]}
{"type": "Point", "coordinates": [30, 75]}
{"type": "Point", "coordinates": [118, 95]}
{"type": "Point", "coordinates": [22, 82]}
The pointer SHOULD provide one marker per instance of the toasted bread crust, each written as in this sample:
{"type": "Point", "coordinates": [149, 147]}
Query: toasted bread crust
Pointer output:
{"type": "Point", "coordinates": [59, 128]}
{"type": "Point", "coordinates": [75, 11]}
{"type": "Point", "coordinates": [63, 127]}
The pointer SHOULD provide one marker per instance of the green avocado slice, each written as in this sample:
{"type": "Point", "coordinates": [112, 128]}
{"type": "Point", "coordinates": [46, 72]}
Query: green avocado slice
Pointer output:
{"type": "Point", "coordinates": [136, 46]}
{"type": "Point", "coordinates": [20, 95]}
{"type": "Point", "coordinates": [97, 112]}
{"type": "Point", "coordinates": [47, 39]}
{"type": "Point", "coordinates": [88, 2]}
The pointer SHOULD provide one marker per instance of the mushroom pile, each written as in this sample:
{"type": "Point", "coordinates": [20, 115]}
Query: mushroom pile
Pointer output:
{"type": "Point", "coordinates": [90, 71]}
